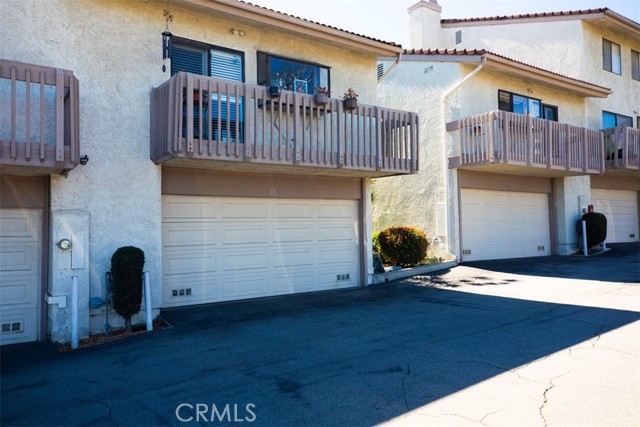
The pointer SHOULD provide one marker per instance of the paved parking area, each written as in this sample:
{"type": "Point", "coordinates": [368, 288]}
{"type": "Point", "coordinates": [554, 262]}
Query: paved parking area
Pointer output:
{"type": "Point", "coordinates": [467, 346]}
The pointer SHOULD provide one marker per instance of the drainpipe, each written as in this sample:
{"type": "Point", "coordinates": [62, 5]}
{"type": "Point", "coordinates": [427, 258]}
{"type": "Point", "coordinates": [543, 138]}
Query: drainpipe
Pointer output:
{"type": "Point", "coordinates": [447, 93]}
{"type": "Point", "coordinates": [397, 61]}
{"type": "Point", "coordinates": [74, 312]}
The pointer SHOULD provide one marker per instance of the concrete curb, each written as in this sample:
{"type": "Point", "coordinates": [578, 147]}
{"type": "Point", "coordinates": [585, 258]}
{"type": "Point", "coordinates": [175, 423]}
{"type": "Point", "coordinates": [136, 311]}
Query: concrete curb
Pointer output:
{"type": "Point", "coordinates": [389, 276]}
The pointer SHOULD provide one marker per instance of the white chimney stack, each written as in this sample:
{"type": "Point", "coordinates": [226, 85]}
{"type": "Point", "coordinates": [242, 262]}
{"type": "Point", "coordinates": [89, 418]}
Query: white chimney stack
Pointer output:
{"type": "Point", "coordinates": [424, 25]}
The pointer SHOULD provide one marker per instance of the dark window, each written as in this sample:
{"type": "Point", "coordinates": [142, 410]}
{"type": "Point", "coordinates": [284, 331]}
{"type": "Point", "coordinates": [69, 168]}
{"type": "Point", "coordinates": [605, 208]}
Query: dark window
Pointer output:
{"type": "Point", "coordinates": [611, 60]}
{"type": "Point", "coordinates": [519, 104]}
{"type": "Point", "coordinates": [550, 112]}
{"type": "Point", "coordinates": [289, 74]}
{"type": "Point", "coordinates": [635, 65]}
{"type": "Point", "coordinates": [226, 121]}
{"type": "Point", "coordinates": [611, 120]}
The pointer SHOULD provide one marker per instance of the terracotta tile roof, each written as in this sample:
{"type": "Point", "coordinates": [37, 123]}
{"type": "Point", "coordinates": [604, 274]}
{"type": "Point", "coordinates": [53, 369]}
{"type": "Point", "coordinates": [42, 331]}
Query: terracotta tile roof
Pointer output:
{"type": "Point", "coordinates": [319, 23]}
{"type": "Point", "coordinates": [474, 52]}
{"type": "Point", "coordinates": [536, 15]}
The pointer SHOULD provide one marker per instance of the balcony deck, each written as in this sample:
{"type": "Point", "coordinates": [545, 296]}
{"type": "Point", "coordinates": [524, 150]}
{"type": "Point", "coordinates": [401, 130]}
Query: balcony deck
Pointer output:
{"type": "Point", "coordinates": [243, 128]}
{"type": "Point", "coordinates": [622, 151]}
{"type": "Point", "coordinates": [505, 142]}
{"type": "Point", "coordinates": [39, 119]}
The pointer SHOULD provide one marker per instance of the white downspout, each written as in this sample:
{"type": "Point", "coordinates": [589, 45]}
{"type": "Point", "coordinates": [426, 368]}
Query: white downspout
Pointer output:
{"type": "Point", "coordinates": [397, 61]}
{"type": "Point", "coordinates": [447, 93]}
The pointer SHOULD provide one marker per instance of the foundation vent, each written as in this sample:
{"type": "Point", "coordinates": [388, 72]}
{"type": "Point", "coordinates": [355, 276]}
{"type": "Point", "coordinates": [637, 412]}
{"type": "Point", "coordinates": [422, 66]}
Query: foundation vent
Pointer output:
{"type": "Point", "coordinates": [181, 292]}
{"type": "Point", "coordinates": [12, 327]}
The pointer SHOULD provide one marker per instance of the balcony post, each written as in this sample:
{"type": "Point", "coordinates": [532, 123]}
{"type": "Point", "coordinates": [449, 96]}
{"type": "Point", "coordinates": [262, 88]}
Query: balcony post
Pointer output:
{"type": "Point", "coordinates": [341, 135]}
{"type": "Point", "coordinates": [297, 129]}
{"type": "Point", "coordinates": [59, 118]}
{"type": "Point", "coordinates": [548, 143]}
{"type": "Point", "coordinates": [189, 100]}
{"type": "Point", "coordinates": [626, 133]}
{"type": "Point", "coordinates": [585, 150]}
{"type": "Point", "coordinates": [529, 121]}
{"type": "Point", "coordinates": [567, 145]}
{"type": "Point", "coordinates": [13, 114]}
{"type": "Point", "coordinates": [378, 138]}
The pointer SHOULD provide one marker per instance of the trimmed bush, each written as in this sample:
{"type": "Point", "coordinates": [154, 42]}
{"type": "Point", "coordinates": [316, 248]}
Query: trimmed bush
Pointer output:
{"type": "Point", "coordinates": [127, 265]}
{"type": "Point", "coordinates": [376, 247]}
{"type": "Point", "coordinates": [596, 228]}
{"type": "Point", "coordinates": [404, 246]}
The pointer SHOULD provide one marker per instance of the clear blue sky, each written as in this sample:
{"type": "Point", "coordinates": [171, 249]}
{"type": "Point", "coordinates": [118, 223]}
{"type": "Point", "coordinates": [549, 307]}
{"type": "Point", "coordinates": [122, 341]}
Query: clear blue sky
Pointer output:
{"type": "Point", "coordinates": [388, 19]}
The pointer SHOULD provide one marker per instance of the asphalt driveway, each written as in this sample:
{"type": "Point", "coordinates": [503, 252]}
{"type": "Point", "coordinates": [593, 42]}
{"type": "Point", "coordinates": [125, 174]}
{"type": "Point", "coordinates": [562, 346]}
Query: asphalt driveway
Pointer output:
{"type": "Point", "coordinates": [466, 346]}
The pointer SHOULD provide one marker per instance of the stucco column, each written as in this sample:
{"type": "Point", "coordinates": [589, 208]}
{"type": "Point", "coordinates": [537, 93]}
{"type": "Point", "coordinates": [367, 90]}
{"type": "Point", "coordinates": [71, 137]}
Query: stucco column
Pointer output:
{"type": "Point", "coordinates": [571, 195]}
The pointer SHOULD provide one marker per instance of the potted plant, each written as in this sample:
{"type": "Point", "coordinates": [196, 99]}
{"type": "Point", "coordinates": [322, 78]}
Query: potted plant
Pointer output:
{"type": "Point", "coordinates": [274, 91]}
{"type": "Point", "coordinates": [321, 97]}
{"type": "Point", "coordinates": [350, 100]}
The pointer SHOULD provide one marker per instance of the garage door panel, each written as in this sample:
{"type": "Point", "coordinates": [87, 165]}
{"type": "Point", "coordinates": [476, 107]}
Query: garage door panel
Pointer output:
{"type": "Point", "coordinates": [245, 286]}
{"type": "Point", "coordinates": [293, 257]}
{"type": "Point", "coordinates": [20, 275]}
{"type": "Point", "coordinates": [501, 224]}
{"type": "Point", "coordinates": [189, 208]}
{"type": "Point", "coordinates": [19, 290]}
{"type": "Point", "coordinates": [244, 234]}
{"type": "Point", "coordinates": [189, 261]}
{"type": "Point", "coordinates": [19, 257]}
{"type": "Point", "coordinates": [336, 233]}
{"type": "Point", "coordinates": [293, 233]}
{"type": "Point", "coordinates": [259, 247]}
{"type": "Point", "coordinates": [621, 209]}
{"type": "Point", "coordinates": [293, 210]}
{"type": "Point", "coordinates": [294, 282]}
{"type": "Point", "coordinates": [198, 234]}
{"type": "Point", "coordinates": [249, 259]}
{"type": "Point", "coordinates": [238, 209]}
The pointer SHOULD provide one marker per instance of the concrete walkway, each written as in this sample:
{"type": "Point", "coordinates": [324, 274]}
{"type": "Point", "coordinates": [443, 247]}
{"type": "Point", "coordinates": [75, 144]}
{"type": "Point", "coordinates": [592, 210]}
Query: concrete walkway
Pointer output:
{"type": "Point", "coordinates": [467, 346]}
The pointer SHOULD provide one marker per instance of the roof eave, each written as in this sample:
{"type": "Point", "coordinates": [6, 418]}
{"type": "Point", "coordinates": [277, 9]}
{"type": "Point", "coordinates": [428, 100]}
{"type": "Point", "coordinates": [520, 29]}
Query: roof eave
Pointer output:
{"type": "Point", "coordinates": [621, 21]}
{"type": "Point", "coordinates": [545, 77]}
{"type": "Point", "coordinates": [259, 15]}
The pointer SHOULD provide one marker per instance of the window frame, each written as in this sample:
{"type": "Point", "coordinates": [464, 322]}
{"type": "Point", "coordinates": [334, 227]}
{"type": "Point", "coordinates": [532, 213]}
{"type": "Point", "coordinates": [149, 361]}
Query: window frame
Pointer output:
{"type": "Point", "coordinates": [264, 72]}
{"type": "Point", "coordinates": [528, 98]}
{"type": "Point", "coordinates": [207, 48]}
{"type": "Point", "coordinates": [616, 117]}
{"type": "Point", "coordinates": [608, 57]}
{"type": "Point", "coordinates": [635, 65]}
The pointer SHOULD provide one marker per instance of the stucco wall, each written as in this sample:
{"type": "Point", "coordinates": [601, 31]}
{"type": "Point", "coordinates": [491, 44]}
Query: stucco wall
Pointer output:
{"type": "Point", "coordinates": [114, 48]}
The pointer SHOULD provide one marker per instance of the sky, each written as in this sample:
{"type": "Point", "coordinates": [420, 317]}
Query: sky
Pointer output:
{"type": "Point", "coordinates": [388, 19]}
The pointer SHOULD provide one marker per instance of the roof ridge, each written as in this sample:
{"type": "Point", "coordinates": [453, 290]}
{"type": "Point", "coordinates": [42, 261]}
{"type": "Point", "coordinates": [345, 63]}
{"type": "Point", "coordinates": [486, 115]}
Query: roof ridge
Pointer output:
{"type": "Point", "coordinates": [535, 15]}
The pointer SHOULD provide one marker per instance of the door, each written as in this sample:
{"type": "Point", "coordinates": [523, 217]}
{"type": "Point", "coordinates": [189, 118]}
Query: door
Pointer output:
{"type": "Point", "coordinates": [20, 275]}
{"type": "Point", "coordinates": [231, 248]}
{"type": "Point", "coordinates": [621, 209]}
{"type": "Point", "coordinates": [504, 224]}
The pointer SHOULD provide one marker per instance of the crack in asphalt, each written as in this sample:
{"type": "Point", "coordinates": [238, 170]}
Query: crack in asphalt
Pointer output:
{"type": "Point", "coordinates": [545, 398]}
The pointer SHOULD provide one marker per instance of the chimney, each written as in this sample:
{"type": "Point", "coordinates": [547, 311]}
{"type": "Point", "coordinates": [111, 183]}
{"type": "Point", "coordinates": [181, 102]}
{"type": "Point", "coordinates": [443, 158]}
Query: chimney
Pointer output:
{"type": "Point", "coordinates": [424, 25]}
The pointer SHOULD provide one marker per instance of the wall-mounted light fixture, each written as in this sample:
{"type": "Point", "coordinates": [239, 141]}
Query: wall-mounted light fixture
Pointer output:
{"type": "Point", "coordinates": [167, 47]}
{"type": "Point", "coordinates": [84, 160]}
{"type": "Point", "coordinates": [237, 32]}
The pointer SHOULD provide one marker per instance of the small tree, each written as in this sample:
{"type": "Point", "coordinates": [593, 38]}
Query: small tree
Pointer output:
{"type": "Point", "coordinates": [127, 265]}
{"type": "Point", "coordinates": [405, 246]}
{"type": "Point", "coordinates": [596, 224]}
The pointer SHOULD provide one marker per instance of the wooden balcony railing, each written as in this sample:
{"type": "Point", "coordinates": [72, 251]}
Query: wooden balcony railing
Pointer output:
{"type": "Point", "coordinates": [521, 143]}
{"type": "Point", "coordinates": [39, 119]}
{"type": "Point", "coordinates": [622, 149]}
{"type": "Point", "coordinates": [242, 123]}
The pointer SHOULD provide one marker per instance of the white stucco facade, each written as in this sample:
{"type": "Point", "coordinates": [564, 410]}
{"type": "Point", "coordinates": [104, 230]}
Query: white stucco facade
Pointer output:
{"type": "Point", "coordinates": [569, 46]}
{"type": "Point", "coordinates": [114, 49]}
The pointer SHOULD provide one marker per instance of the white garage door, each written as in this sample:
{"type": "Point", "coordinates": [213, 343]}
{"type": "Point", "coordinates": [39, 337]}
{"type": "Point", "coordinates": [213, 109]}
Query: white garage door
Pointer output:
{"type": "Point", "coordinates": [621, 209]}
{"type": "Point", "coordinates": [504, 224]}
{"type": "Point", "coordinates": [230, 248]}
{"type": "Point", "coordinates": [20, 240]}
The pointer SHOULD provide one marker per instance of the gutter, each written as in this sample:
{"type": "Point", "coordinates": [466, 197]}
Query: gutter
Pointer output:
{"type": "Point", "coordinates": [386, 73]}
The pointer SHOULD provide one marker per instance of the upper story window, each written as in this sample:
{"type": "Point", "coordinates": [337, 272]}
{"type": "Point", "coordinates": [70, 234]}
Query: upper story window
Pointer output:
{"type": "Point", "coordinates": [206, 60]}
{"type": "Point", "coordinates": [289, 74]}
{"type": "Point", "coordinates": [611, 120]}
{"type": "Point", "coordinates": [525, 105]}
{"type": "Point", "coordinates": [611, 60]}
{"type": "Point", "coordinates": [635, 65]}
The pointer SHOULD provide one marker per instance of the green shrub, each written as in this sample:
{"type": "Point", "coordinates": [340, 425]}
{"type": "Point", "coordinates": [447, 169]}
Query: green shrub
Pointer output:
{"type": "Point", "coordinates": [404, 246]}
{"type": "Point", "coordinates": [596, 228]}
{"type": "Point", "coordinates": [127, 265]}
{"type": "Point", "coordinates": [376, 247]}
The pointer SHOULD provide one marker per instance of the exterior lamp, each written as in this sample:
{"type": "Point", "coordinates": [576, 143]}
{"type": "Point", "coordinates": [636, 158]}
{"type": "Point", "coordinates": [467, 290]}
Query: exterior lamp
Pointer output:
{"type": "Point", "coordinates": [167, 47]}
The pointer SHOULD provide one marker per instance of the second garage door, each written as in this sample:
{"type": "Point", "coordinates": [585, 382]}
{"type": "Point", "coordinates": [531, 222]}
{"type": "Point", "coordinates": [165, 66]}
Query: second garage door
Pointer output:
{"type": "Point", "coordinates": [230, 248]}
{"type": "Point", "coordinates": [621, 209]}
{"type": "Point", "coordinates": [504, 224]}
